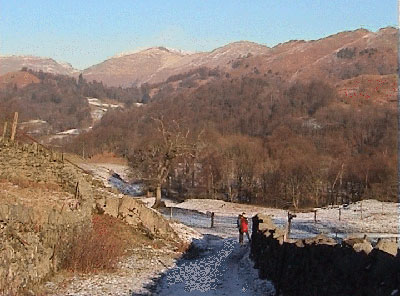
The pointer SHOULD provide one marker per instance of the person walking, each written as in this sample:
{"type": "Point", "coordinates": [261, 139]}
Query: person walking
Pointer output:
{"type": "Point", "coordinates": [244, 227]}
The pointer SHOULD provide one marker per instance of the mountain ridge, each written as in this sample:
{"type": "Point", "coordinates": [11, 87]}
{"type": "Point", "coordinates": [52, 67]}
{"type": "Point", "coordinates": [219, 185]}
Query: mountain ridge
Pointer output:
{"type": "Point", "coordinates": [155, 64]}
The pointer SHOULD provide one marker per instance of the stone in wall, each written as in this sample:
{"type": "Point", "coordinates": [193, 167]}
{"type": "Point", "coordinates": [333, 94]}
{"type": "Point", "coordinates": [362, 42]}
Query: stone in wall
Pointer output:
{"type": "Point", "coordinates": [135, 212]}
{"type": "Point", "coordinates": [387, 246]}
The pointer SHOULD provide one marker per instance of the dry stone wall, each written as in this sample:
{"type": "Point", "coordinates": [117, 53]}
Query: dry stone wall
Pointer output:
{"type": "Point", "coordinates": [31, 251]}
{"type": "Point", "coordinates": [319, 266]}
{"type": "Point", "coordinates": [40, 211]}
{"type": "Point", "coordinates": [44, 202]}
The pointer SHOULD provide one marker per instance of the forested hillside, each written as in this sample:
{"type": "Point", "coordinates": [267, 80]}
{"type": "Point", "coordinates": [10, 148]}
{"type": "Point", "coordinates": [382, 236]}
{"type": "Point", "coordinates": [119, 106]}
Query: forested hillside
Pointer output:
{"type": "Point", "coordinates": [264, 140]}
{"type": "Point", "coordinates": [55, 99]}
{"type": "Point", "coordinates": [59, 100]}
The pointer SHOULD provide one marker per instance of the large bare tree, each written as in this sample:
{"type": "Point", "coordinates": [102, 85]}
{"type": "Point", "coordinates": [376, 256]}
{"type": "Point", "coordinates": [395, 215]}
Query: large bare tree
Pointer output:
{"type": "Point", "coordinates": [153, 159]}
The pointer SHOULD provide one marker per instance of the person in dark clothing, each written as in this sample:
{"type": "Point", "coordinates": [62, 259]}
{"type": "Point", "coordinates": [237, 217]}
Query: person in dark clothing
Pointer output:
{"type": "Point", "coordinates": [255, 224]}
{"type": "Point", "coordinates": [238, 222]}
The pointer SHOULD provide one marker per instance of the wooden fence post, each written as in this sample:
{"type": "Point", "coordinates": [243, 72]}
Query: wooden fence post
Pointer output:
{"type": "Point", "coordinates": [290, 217]}
{"type": "Point", "coordinates": [212, 219]}
{"type": "Point", "coordinates": [315, 216]}
{"type": "Point", "coordinates": [340, 213]}
{"type": "Point", "coordinates": [14, 126]}
{"type": "Point", "coordinates": [77, 190]}
{"type": "Point", "coordinates": [4, 131]}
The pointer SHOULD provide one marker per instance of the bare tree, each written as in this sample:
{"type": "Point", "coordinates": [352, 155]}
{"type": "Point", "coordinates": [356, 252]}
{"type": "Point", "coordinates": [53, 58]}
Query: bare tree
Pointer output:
{"type": "Point", "coordinates": [153, 159]}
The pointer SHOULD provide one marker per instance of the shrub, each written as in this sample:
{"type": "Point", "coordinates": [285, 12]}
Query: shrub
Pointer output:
{"type": "Point", "coordinates": [96, 249]}
{"type": "Point", "coordinates": [346, 53]}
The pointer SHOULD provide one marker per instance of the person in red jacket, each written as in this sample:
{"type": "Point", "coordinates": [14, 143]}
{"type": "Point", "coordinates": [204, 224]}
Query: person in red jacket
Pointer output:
{"type": "Point", "coordinates": [244, 228]}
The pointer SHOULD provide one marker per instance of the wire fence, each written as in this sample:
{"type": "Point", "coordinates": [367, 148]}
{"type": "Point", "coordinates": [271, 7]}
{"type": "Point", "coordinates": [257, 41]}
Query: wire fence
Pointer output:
{"type": "Point", "coordinates": [225, 226]}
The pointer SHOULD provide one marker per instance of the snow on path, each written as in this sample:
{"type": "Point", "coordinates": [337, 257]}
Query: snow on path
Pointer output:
{"type": "Point", "coordinates": [218, 265]}
{"type": "Point", "coordinates": [222, 267]}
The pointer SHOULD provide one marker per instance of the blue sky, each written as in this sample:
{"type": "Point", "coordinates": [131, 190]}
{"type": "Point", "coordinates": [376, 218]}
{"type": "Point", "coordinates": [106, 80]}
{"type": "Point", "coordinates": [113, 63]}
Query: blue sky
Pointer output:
{"type": "Point", "coordinates": [86, 32]}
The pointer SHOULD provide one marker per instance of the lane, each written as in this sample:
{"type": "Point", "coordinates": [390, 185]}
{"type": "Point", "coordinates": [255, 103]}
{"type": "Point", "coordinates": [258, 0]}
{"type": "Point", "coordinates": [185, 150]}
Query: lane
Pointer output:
{"type": "Point", "coordinates": [215, 266]}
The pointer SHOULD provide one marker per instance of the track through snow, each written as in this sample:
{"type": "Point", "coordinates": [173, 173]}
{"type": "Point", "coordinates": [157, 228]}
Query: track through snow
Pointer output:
{"type": "Point", "coordinates": [215, 266]}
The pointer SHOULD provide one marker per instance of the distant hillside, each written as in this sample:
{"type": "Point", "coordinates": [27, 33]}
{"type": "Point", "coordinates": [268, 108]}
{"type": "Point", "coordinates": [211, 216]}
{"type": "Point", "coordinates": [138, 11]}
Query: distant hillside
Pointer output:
{"type": "Point", "coordinates": [156, 64]}
{"type": "Point", "coordinates": [15, 63]}
{"type": "Point", "coordinates": [134, 68]}
{"type": "Point", "coordinates": [19, 79]}
{"type": "Point", "coordinates": [54, 101]}
{"type": "Point", "coordinates": [55, 108]}
{"type": "Point", "coordinates": [334, 58]}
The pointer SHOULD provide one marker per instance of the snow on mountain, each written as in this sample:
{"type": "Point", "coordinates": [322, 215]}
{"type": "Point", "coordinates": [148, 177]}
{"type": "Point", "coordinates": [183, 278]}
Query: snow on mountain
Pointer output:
{"type": "Point", "coordinates": [172, 50]}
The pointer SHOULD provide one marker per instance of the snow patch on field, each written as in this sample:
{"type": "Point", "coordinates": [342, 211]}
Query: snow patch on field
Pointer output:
{"type": "Point", "coordinates": [73, 131]}
{"type": "Point", "coordinates": [184, 232]}
{"type": "Point", "coordinates": [99, 108]}
{"type": "Point", "coordinates": [371, 217]}
{"type": "Point", "coordinates": [96, 102]}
